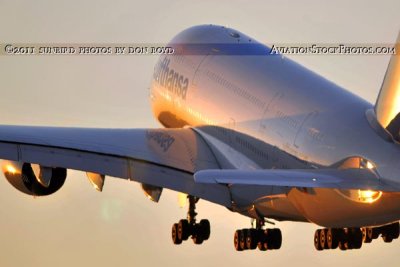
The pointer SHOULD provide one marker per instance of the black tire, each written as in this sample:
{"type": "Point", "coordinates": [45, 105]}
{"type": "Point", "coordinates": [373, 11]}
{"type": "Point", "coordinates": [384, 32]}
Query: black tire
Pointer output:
{"type": "Point", "coordinates": [242, 239]}
{"type": "Point", "coordinates": [183, 229]}
{"type": "Point", "coordinates": [367, 234]}
{"type": "Point", "coordinates": [322, 239]}
{"type": "Point", "coordinates": [343, 245]}
{"type": "Point", "coordinates": [251, 239]}
{"type": "Point", "coordinates": [205, 229]}
{"type": "Point", "coordinates": [394, 230]}
{"type": "Point", "coordinates": [387, 238]}
{"type": "Point", "coordinates": [236, 240]}
{"type": "Point", "coordinates": [374, 232]}
{"type": "Point", "coordinates": [175, 239]}
{"type": "Point", "coordinates": [355, 238]}
{"type": "Point", "coordinates": [262, 246]}
{"type": "Point", "coordinates": [197, 239]}
{"type": "Point", "coordinates": [332, 238]}
{"type": "Point", "coordinates": [275, 237]}
{"type": "Point", "coordinates": [317, 242]}
{"type": "Point", "coordinates": [197, 235]}
{"type": "Point", "coordinates": [262, 240]}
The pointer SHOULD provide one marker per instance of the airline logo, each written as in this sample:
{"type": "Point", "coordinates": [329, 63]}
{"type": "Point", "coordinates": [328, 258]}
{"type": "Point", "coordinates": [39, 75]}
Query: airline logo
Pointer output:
{"type": "Point", "coordinates": [167, 77]}
{"type": "Point", "coordinates": [162, 139]}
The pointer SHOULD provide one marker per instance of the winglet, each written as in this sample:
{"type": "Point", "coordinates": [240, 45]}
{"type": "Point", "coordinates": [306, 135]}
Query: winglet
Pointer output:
{"type": "Point", "coordinates": [387, 107]}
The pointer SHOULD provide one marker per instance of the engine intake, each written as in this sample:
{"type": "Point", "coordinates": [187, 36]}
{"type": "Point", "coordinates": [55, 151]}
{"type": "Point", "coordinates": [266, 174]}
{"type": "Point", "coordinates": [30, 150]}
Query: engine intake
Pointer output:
{"type": "Point", "coordinates": [33, 179]}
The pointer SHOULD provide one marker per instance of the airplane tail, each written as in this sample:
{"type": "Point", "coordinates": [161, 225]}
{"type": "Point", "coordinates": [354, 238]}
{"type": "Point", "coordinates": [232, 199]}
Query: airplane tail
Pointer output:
{"type": "Point", "coordinates": [387, 107]}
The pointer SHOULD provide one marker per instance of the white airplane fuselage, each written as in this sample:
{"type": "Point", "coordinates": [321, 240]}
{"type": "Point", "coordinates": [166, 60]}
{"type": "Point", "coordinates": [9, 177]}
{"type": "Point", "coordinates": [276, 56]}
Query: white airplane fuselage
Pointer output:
{"type": "Point", "coordinates": [267, 112]}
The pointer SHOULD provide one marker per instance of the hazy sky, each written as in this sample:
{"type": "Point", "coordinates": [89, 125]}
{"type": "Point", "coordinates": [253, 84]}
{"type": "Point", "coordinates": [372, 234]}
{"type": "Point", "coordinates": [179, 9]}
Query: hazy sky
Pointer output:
{"type": "Point", "coordinates": [78, 226]}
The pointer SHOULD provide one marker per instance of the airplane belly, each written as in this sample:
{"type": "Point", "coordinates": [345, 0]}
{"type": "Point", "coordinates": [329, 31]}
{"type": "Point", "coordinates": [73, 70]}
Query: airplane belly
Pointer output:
{"type": "Point", "coordinates": [279, 208]}
{"type": "Point", "coordinates": [334, 208]}
{"type": "Point", "coordinates": [264, 201]}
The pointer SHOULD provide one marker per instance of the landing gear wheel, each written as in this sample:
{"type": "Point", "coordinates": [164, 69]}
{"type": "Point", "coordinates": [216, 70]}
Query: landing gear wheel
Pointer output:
{"type": "Point", "coordinates": [236, 240]}
{"type": "Point", "coordinates": [251, 239]}
{"type": "Point", "coordinates": [188, 227]}
{"type": "Point", "coordinates": [390, 232]}
{"type": "Point", "coordinates": [395, 230]}
{"type": "Point", "coordinates": [355, 238]}
{"type": "Point", "coordinates": [367, 234]}
{"type": "Point", "coordinates": [183, 229]}
{"type": "Point", "coordinates": [387, 238]}
{"type": "Point", "coordinates": [205, 229]}
{"type": "Point", "coordinates": [343, 245]}
{"type": "Point", "coordinates": [175, 237]}
{"type": "Point", "coordinates": [275, 237]}
{"type": "Point", "coordinates": [262, 240]}
{"type": "Point", "coordinates": [322, 239]}
{"type": "Point", "coordinates": [197, 235]}
{"type": "Point", "coordinates": [317, 242]}
{"type": "Point", "coordinates": [262, 246]}
{"type": "Point", "coordinates": [332, 238]}
{"type": "Point", "coordinates": [242, 240]}
{"type": "Point", "coordinates": [373, 232]}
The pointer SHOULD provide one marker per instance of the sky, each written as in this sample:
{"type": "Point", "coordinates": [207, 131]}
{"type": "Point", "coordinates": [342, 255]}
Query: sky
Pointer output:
{"type": "Point", "coordinates": [78, 226]}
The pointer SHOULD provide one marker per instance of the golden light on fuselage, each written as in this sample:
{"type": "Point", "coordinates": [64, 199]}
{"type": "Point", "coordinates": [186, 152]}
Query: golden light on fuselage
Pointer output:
{"type": "Point", "coordinates": [369, 196]}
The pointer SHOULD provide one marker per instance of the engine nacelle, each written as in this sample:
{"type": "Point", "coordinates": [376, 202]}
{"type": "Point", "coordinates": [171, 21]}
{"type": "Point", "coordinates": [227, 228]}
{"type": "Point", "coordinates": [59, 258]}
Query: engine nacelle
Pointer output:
{"type": "Point", "coordinates": [33, 179]}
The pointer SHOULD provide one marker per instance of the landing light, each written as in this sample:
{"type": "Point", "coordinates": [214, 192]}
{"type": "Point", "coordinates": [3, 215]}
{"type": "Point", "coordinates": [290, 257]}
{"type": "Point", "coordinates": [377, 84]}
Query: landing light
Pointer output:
{"type": "Point", "coordinates": [11, 169]}
{"type": "Point", "coordinates": [369, 196]}
{"type": "Point", "coordinates": [369, 165]}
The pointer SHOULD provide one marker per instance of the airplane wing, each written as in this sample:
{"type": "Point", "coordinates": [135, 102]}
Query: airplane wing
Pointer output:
{"type": "Point", "coordinates": [364, 179]}
{"type": "Point", "coordinates": [166, 158]}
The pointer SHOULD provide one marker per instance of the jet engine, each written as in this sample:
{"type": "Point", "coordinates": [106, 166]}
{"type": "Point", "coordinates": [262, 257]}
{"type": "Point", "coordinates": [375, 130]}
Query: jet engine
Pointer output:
{"type": "Point", "coordinates": [34, 179]}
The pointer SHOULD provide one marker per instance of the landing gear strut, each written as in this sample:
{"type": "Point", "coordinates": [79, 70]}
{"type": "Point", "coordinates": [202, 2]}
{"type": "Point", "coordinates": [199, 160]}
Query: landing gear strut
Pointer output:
{"type": "Point", "coordinates": [352, 238]}
{"type": "Point", "coordinates": [186, 228]}
{"type": "Point", "coordinates": [268, 239]}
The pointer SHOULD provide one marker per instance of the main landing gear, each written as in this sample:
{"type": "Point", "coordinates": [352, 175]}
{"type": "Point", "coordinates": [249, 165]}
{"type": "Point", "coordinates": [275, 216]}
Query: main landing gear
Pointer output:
{"type": "Point", "coordinates": [352, 238]}
{"type": "Point", "coordinates": [189, 228]}
{"type": "Point", "coordinates": [268, 239]}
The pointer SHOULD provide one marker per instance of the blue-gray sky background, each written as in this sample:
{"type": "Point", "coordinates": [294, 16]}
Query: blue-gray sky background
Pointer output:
{"type": "Point", "coordinates": [78, 226]}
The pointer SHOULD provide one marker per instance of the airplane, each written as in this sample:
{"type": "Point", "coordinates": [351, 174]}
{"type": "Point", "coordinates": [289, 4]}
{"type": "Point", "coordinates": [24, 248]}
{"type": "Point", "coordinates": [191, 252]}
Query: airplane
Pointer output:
{"type": "Point", "coordinates": [253, 132]}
